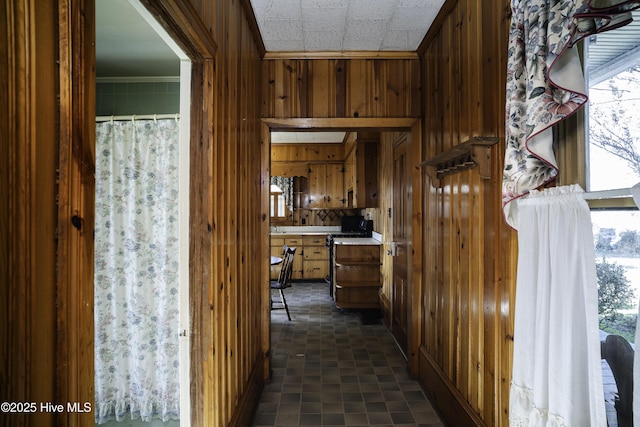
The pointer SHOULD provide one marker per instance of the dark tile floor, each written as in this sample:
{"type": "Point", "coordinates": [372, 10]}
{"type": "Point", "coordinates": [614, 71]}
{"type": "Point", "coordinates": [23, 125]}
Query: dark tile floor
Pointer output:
{"type": "Point", "coordinates": [332, 369]}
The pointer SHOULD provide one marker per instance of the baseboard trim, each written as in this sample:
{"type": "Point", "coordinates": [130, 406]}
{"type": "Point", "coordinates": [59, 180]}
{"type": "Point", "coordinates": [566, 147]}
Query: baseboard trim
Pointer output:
{"type": "Point", "coordinates": [248, 404]}
{"type": "Point", "coordinates": [449, 402]}
{"type": "Point", "coordinates": [385, 306]}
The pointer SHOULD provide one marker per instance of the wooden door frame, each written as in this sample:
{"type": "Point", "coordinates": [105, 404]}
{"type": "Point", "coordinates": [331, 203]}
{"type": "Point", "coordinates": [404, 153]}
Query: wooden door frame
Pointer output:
{"type": "Point", "coordinates": [74, 314]}
{"type": "Point", "coordinates": [409, 124]}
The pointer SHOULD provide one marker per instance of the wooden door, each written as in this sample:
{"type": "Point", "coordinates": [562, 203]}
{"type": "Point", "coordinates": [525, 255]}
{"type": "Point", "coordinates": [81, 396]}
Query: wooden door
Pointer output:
{"type": "Point", "coordinates": [401, 227]}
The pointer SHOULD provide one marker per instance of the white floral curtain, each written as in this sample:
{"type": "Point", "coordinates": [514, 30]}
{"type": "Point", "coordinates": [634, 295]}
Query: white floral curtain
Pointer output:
{"type": "Point", "coordinates": [136, 271]}
{"type": "Point", "coordinates": [286, 185]}
{"type": "Point", "coordinates": [557, 376]}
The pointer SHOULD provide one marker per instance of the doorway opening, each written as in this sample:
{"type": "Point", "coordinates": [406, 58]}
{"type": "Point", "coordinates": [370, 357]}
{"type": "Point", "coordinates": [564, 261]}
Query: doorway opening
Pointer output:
{"type": "Point", "coordinates": [143, 84]}
{"type": "Point", "coordinates": [381, 216]}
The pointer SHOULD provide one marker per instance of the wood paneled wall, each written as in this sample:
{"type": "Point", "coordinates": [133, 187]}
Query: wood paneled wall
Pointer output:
{"type": "Point", "coordinates": [46, 105]}
{"type": "Point", "coordinates": [229, 283]}
{"type": "Point", "coordinates": [27, 268]}
{"type": "Point", "coordinates": [305, 153]}
{"type": "Point", "coordinates": [379, 215]}
{"type": "Point", "coordinates": [45, 297]}
{"type": "Point", "coordinates": [323, 88]}
{"type": "Point", "coordinates": [469, 253]}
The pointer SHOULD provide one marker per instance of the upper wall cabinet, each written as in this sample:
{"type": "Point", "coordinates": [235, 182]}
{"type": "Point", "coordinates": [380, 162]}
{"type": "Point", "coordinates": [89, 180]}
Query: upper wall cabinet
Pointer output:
{"type": "Point", "coordinates": [361, 170]}
{"type": "Point", "coordinates": [326, 186]}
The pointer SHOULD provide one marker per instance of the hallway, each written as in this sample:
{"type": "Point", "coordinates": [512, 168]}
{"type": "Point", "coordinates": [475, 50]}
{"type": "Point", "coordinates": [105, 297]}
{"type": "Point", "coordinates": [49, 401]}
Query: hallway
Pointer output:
{"type": "Point", "coordinates": [330, 369]}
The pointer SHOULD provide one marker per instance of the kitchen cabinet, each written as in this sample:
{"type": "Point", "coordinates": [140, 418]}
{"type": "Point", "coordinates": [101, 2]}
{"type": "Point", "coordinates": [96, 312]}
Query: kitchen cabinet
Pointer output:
{"type": "Point", "coordinates": [315, 257]}
{"type": "Point", "coordinates": [311, 260]}
{"type": "Point", "coordinates": [361, 174]}
{"type": "Point", "coordinates": [356, 276]}
{"type": "Point", "coordinates": [326, 186]}
{"type": "Point", "coordinates": [293, 241]}
{"type": "Point", "coordinates": [350, 178]}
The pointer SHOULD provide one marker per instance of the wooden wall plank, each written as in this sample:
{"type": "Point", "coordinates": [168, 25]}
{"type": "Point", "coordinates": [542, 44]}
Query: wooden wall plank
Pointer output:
{"type": "Point", "coordinates": [7, 109]}
{"type": "Point", "coordinates": [319, 87]}
{"type": "Point", "coordinates": [340, 70]}
{"type": "Point", "coordinates": [341, 88]}
{"type": "Point", "coordinates": [44, 300]}
{"type": "Point", "coordinates": [322, 152]}
{"type": "Point", "coordinates": [76, 170]}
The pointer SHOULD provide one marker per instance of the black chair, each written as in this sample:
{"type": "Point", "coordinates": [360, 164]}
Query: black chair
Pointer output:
{"type": "Point", "coordinates": [619, 355]}
{"type": "Point", "coordinates": [284, 280]}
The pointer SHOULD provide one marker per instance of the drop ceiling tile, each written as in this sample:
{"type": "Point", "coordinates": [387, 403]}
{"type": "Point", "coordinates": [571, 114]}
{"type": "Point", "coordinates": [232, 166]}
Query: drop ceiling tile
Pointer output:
{"type": "Point", "coordinates": [414, 38]}
{"type": "Point", "coordinates": [356, 45]}
{"type": "Point", "coordinates": [284, 45]}
{"type": "Point", "coordinates": [322, 4]}
{"type": "Point", "coordinates": [283, 10]}
{"type": "Point", "coordinates": [367, 24]}
{"type": "Point", "coordinates": [259, 6]}
{"type": "Point", "coordinates": [412, 18]}
{"type": "Point", "coordinates": [371, 9]}
{"type": "Point", "coordinates": [370, 29]}
{"type": "Point", "coordinates": [277, 29]}
{"type": "Point", "coordinates": [318, 40]}
{"type": "Point", "coordinates": [325, 18]}
{"type": "Point", "coordinates": [396, 40]}
{"type": "Point", "coordinates": [420, 3]}
{"type": "Point", "coordinates": [307, 137]}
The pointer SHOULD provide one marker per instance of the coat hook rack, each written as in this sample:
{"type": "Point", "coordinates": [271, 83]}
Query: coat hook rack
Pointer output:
{"type": "Point", "coordinates": [476, 151]}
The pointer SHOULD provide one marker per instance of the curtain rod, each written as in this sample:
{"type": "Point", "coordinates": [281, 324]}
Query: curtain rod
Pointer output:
{"type": "Point", "coordinates": [607, 194]}
{"type": "Point", "coordinates": [135, 117]}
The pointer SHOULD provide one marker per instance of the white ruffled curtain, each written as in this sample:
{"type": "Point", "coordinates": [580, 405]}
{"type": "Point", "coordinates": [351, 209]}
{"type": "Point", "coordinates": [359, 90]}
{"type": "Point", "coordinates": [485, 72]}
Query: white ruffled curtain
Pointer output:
{"type": "Point", "coordinates": [557, 379]}
{"type": "Point", "coordinates": [136, 271]}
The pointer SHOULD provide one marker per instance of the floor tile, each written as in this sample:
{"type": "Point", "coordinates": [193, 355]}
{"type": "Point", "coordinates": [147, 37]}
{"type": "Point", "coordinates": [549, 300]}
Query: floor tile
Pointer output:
{"type": "Point", "coordinates": [330, 369]}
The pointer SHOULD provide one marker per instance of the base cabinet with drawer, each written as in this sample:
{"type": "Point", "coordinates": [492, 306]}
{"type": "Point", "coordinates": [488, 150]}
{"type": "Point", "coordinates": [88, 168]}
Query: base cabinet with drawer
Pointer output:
{"type": "Point", "coordinates": [315, 255]}
{"type": "Point", "coordinates": [311, 260]}
{"type": "Point", "coordinates": [356, 276]}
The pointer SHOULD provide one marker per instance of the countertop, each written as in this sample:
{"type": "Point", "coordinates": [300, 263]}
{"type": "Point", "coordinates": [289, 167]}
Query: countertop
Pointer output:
{"type": "Point", "coordinates": [325, 230]}
{"type": "Point", "coordinates": [308, 230]}
{"type": "Point", "coordinates": [356, 241]}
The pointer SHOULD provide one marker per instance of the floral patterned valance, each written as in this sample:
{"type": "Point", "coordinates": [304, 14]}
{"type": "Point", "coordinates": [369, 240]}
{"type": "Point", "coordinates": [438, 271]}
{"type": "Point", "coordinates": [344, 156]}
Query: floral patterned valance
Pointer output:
{"type": "Point", "coordinates": [545, 83]}
{"type": "Point", "coordinates": [286, 185]}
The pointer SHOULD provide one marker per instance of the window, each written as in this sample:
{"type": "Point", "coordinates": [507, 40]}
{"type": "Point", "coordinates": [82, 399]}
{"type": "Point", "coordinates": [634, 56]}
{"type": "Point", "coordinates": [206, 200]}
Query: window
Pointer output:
{"type": "Point", "coordinates": [612, 63]}
{"type": "Point", "coordinates": [281, 199]}
{"type": "Point", "coordinates": [277, 203]}
{"type": "Point", "coordinates": [613, 73]}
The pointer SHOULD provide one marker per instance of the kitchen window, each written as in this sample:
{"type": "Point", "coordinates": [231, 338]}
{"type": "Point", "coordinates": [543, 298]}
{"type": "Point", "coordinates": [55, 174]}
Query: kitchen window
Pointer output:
{"type": "Point", "coordinates": [277, 203]}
